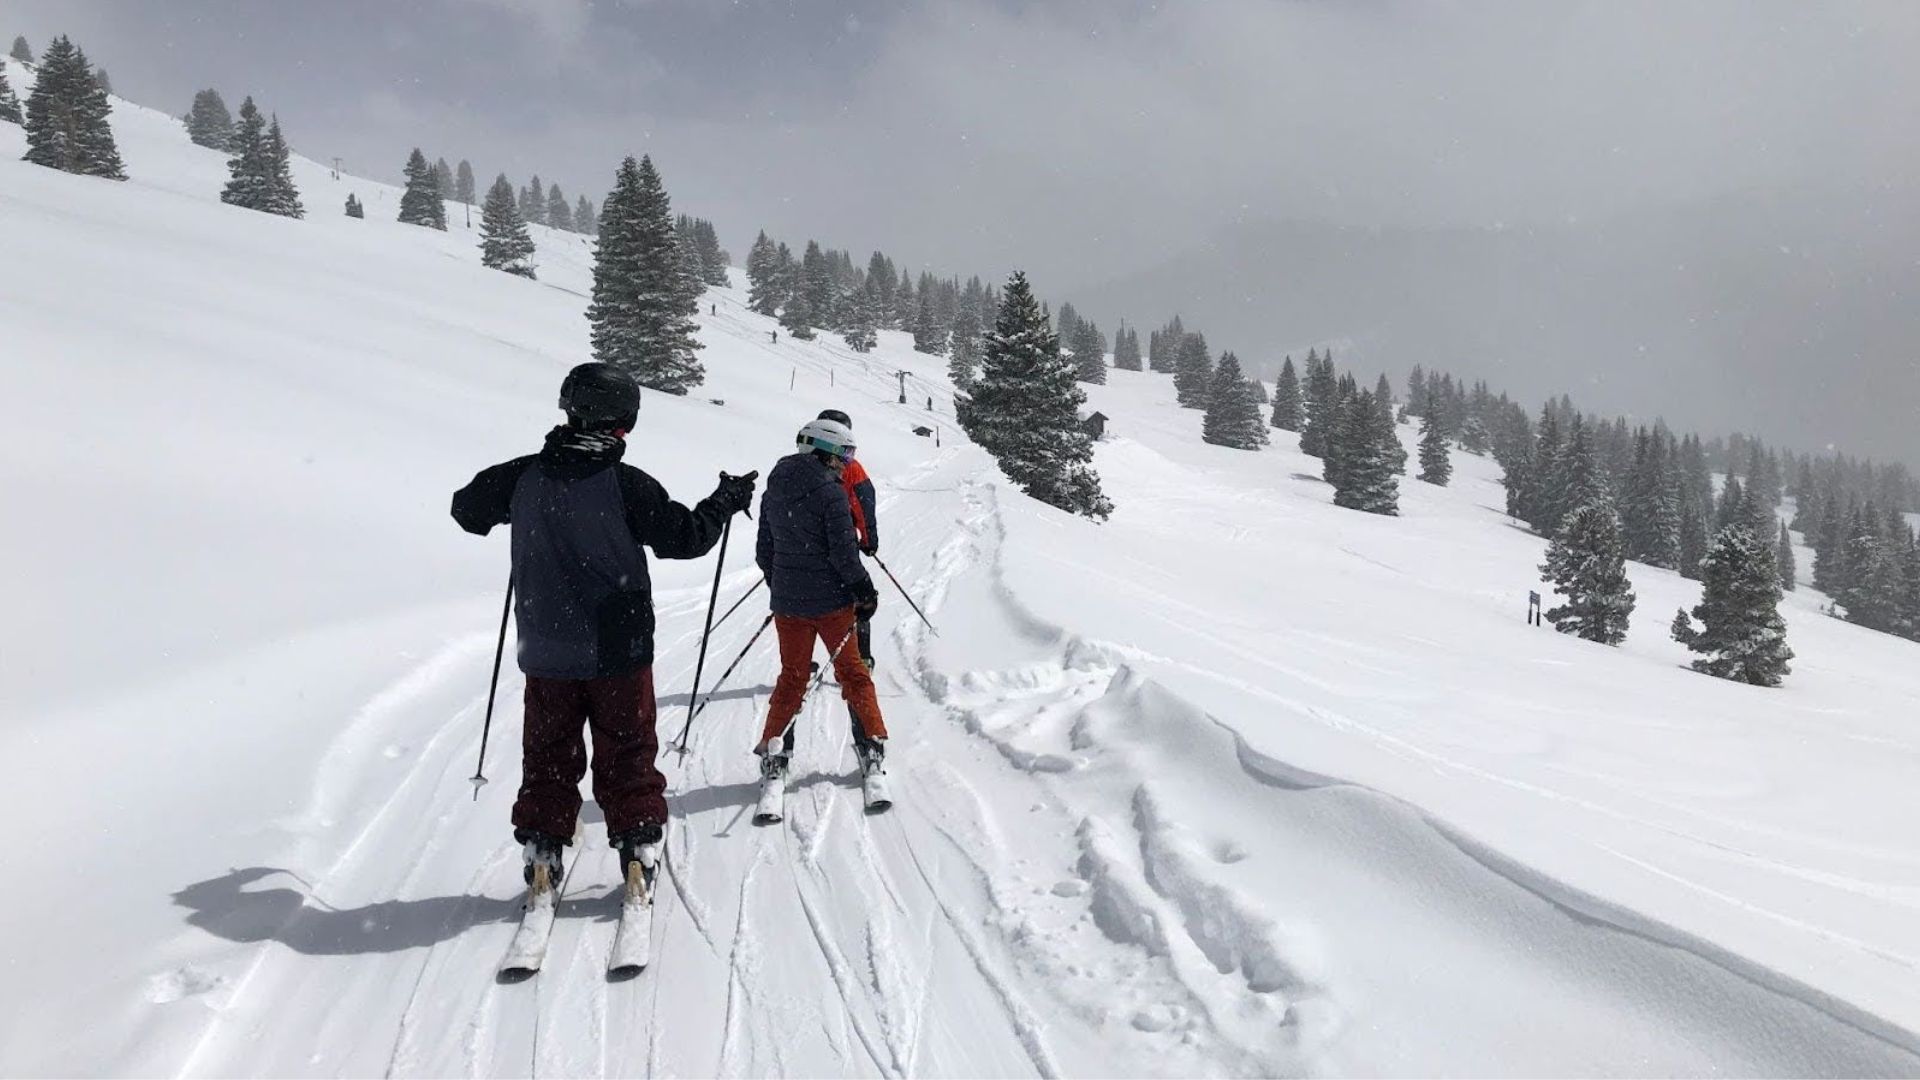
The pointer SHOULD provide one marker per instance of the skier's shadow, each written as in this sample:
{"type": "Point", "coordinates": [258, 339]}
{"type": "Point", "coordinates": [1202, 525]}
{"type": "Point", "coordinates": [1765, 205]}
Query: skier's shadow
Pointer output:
{"type": "Point", "coordinates": [677, 700]}
{"type": "Point", "coordinates": [226, 908]}
{"type": "Point", "coordinates": [742, 797]}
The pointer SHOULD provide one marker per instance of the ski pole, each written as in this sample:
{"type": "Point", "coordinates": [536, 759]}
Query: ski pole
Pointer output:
{"type": "Point", "coordinates": [713, 599]}
{"type": "Point", "coordinates": [736, 604]}
{"type": "Point", "coordinates": [908, 599]}
{"type": "Point", "coordinates": [499, 650]}
{"type": "Point", "coordinates": [681, 748]}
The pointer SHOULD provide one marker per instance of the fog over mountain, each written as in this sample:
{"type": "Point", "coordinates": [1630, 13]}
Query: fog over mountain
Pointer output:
{"type": "Point", "coordinates": [1703, 209]}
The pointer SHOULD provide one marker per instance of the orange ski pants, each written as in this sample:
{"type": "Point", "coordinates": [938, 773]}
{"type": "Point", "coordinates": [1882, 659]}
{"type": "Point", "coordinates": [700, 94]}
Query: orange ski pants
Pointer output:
{"type": "Point", "coordinates": [835, 630]}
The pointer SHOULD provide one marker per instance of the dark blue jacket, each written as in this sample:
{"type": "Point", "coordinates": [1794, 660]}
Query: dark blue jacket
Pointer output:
{"type": "Point", "coordinates": [807, 546]}
{"type": "Point", "coordinates": [583, 600]}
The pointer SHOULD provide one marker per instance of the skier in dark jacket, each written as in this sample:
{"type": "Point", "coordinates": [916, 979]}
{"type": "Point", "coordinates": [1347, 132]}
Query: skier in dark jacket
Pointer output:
{"type": "Point", "coordinates": [584, 611]}
{"type": "Point", "coordinates": [866, 521]}
{"type": "Point", "coordinates": [810, 553]}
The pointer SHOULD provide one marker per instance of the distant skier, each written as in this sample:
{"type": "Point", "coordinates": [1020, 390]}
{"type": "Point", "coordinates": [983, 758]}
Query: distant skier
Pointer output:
{"type": "Point", "coordinates": [809, 551]}
{"type": "Point", "coordinates": [866, 521]}
{"type": "Point", "coordinates": [584, 611]}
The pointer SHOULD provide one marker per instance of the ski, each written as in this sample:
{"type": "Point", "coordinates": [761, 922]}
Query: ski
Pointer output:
{"type": "Point", "coordinates": [529, 946]}
{"type": "Point", "coordinates": [874, 788]}
{"type": "Point", "coordinates": [877, 792]}
{"type": "Point", "coordinates": [633, 940]}
{"type": "Point", "coordinates": [773, 799]}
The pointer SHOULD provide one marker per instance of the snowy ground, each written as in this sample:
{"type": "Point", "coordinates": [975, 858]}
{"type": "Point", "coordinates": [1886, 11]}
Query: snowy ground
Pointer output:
{"type": "Point", "coordinates": [1235, 783]}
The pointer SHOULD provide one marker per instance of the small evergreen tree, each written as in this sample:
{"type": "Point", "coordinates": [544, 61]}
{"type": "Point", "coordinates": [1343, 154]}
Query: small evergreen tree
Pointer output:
{"type": "Point", "coordinates": [1126, 349]}
{"type": "Point", "coordinates": [443, 181]}
{"type": "Point", "coordinates": [533, 202]}
{"type": "Point", "coordinates": [504, 243]}
{"type": "Point", "coordinates": [1436, 467]}
{"type": "Point", "coordinates": [1783, 560]}
{"type": "Point", "coordinates": [100, 80]}
{"type": "Point", "coordinates": [1693, 540]}
{"type": "Point", "coordinates": [1233, 416]}
{"type": "Point", "coordinates": [463, 186]}
{"type": "Point", "coordinates": [1089, 353]}
{"type": "Point", "coordinates": [1193, 375]}
{"type": "Point", "coordinates": [1587, 564]}
{"type": "Point", "coordinates": [559, 210]}
{"type": "Point", "coordinates": [766, 283]}
{"type": "Point", "coordinates": [641, 314]}
{"type": "Point", "coordinates": [354, 209]}
{"type": "Point", "coordinates": [1362, 455]}
{"type": "Point", "coordinates": [1289, 410]}
{"type": "Point", "coordinates": [966, 348]}
{"type": "Point", "coordinates": [282, 197]}
{"type": "Point", "coordinates": [9, 105]}
{"type": "Point", "coordinates": [585, 221]}
{"type": "Point", "coordinates": [861, 333]}
{"type": "Point", "coordinates": [420, 203]}
{"type": "Point", "coordinates": [1743, 637]}
{"type": "Point", "coordinates": [928, 336]}
{"type": "Point", "coordinates": [797, 316]}
{"type": "Point", "coordinates": [21, 50]}
{"type": "Point", "coordinates": [209, 124]}
{"type": "Point", "coordinates": [1323, 406]}
{"type": "Point", "coordinates": [1474, 438]}
{"type": "Point", "coordinates": [66, 117]}
{"type": "Point", "coordinates": [1024, 409]}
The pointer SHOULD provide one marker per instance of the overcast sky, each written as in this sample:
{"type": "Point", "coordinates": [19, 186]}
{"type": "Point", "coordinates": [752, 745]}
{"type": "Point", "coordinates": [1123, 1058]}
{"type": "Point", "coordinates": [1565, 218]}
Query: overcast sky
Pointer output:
{"type": "Point", "coordinates": [1081, 139]}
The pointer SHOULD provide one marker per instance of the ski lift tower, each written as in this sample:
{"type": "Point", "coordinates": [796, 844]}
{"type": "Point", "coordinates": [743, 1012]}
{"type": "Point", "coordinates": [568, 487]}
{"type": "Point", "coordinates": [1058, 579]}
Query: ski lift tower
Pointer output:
{"type": "Point", "coordinates": [902, 376]}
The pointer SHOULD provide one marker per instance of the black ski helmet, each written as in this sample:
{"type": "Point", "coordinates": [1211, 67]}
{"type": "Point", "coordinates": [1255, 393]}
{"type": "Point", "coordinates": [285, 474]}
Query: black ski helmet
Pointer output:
{"type": "Point", "coordinates": [600, 397]}
{"type": "Point", "coordinates": [836, 416]}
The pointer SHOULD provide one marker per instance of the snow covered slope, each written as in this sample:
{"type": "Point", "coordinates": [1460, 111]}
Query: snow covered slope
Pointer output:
{"type": "Point", "coordinates": [1235, 783]}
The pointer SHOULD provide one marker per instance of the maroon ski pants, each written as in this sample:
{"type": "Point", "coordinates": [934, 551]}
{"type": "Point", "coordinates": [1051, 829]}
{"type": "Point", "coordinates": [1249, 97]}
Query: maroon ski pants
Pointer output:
{"type": "Point", "coordinates": [626, 783]}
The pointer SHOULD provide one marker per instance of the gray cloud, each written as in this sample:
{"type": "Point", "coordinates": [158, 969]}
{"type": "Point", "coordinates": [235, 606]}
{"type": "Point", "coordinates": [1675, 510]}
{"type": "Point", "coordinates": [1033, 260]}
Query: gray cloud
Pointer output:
{"type": "Point", "coordinates": [1100, 143]}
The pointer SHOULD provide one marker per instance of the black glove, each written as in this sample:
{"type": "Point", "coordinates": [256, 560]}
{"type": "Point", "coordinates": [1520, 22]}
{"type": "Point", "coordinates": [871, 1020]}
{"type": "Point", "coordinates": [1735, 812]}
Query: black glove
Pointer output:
{"type": "Point", "coordinates": [735, 493]}
{"type": "Point", "coordinates": [870, 548]}
{"type": "Point", "coordinates": [866, 601]}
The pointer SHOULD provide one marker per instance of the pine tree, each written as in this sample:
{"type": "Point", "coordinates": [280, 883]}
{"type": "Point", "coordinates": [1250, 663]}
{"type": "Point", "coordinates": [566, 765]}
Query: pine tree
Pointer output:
{"type": "Point", "coordinates": [463, 186]}
{"type": "Point", "coordinates": [1693, 541]}
{"type": "Point", "coordinates": [257, 166]}
{"type": "Point", "coordinates": [765, 283]}
{"type": "Point", "coordinates": [282, 197]}
{"type": "Point", "coordinates": [1733, 506]}
{"type": "Point", "coordinates": [1126, 349]}
{"type": "Point", "coordinates": [9, 105]}
{"type": "Point", "coordinates": [1321, 392]}
{"type": "Point", "coordinates": [504, 243]}
{"type": "Point", "coordinates": [1436, 467]}
{"type": "Point", "coordinates": [1024, 409]}
{"type": "Point", "coordinates": [862, 334]}
{"type": "Point", "coordinates": [1361, 456]}
{"type": "Point", "coordinates": [559, 211]}
{"type": "Point", "coordinates": [641, 315]}
{"type": "Point", "coordinates": [1587, 564]}
{"type": "Point", "coordinates": [927, 334]}
{"type": "Point", "coordinates": [1743, 636]}
{"type": "Point", "coordinates": [1783, 560]}
{"type": "Point", "coordinates": [533, 202]}
{"type": "Point", "coordinates": [66, 117]}
{"type": "Point", "coordinates": [1089, 353]}
{"type": "Point", "coordinates": [816, 283]}
{"type": "Point", "coordinates": [713, 261]}
{"type": "Point", "coordinates": [354, 209]}
{"type": "Point", "coordinates": [585, 221]}
{"type": "Point", "coordinates": [443, 179]}
{"type": "Point", "coordinates": [1233, 416]}
{"type": "Point", "coordinates": [965, 349]}
{"type": "Point", "coordinates": [420, 203]}
{"type": "Point", "coordinates": [21, 50]}
{"type": "Point", "coordinates": [1474, 438]}
{"type": "Point", "coordinates": [1289, 410]}
{"type": "Point", "coordinates": [101, 80]}
{"type": "Point", "coordinates": [797, 316]}
{"type": "Point", "coordinates": [1193, 376]}
{"type": "Point", "coordinates": [209, 124]}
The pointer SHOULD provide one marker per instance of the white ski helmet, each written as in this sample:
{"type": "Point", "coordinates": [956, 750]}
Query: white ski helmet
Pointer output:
{"type": "Point", "coordinates": [829, 436]}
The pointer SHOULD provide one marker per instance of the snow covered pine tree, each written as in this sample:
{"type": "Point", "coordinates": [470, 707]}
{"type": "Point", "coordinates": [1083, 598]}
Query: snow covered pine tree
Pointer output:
{"type": "Point", "coordinates": [1587, 564]}
{"type": "Point", "coordinates": [1743, 637]}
